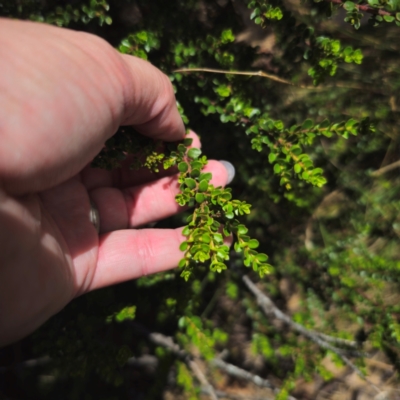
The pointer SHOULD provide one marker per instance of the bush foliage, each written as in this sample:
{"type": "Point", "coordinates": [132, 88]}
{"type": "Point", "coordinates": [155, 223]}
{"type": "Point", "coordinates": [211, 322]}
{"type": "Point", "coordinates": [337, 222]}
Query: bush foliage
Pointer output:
{"type": "Point", "coordinates": [302, 97]}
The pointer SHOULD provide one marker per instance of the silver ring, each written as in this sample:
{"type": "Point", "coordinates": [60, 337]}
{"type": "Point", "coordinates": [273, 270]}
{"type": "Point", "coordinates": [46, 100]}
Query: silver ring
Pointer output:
{"type": "Point", "coordinates": [94, 216]}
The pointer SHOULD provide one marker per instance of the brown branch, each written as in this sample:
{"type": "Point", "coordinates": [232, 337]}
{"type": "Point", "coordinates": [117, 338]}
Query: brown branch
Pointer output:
{"type": "Point", "coordinates": [237, 372]}
{"type": "Point", "coordinates": [270, 309]}
{"type": "Point", "coordinates": [167, 342]}
{"type": "Point", "coordinates": [275, 78]}
{"type": "Point", "coordinates": [246, 73]}
{"type": "Point", "coordinates": [202, 379]}
{"type": "Point", "coordinates": [364, 7]}
{"type": "Point", "coordinates": [385, 169]}
{"type": "Point", "coordinates": [232, 396]}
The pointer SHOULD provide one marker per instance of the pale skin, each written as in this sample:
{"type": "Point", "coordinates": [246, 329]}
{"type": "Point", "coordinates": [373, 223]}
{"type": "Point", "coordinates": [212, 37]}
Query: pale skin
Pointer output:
{"type": "Point", "coordinates": [62, 94]}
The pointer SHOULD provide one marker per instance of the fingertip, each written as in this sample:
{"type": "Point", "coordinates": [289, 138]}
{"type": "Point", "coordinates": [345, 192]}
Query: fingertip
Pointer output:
{"type": "Point", "coordinates": [196, 140]}
{"type": "Point", "coordinates": [230, 169]}
{"type": "Point", "coordinates": [220, 175]}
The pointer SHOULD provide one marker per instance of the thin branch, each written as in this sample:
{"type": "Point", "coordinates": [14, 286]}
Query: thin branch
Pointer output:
{"type": "Point", "coordinates": [167, 342]}
{"type": "Point", "coordinates": [232, 396]}
{"type": "Point", "coordinates": [237, 372]}
{"type": "Point", "coordinates": [278, 79]}
{"type": "Point", "coordinates": [202, 379]}
{"type": "Point", "coordinates": [385, 169]}
{"type": "Point", "coordinates": [270, 309]}
{"type": "Point", "coordinates": [247, 73]}
{"type": "Point", "coordinates": [335, 340]}
{"type": "Point", "coordinates": [364, 7]}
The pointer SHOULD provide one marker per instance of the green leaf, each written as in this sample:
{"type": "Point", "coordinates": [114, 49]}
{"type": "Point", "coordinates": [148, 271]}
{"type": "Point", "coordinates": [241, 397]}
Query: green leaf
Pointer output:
{"type": "Point", "coordinates": [261, 257]}
{"type": "Point", "coordinates": [253, 243]}
{"type": "Point", "coordinates": [183, 167]}
{"type": "Point", "coordinates": [195, 173]}
{"type": "Point", "coordinates": [307, 124]}
{"type": "Point", "coordinates": [183, 246]}
{"type": "Point", "coordinates": [194, 153]}
{"type": "Point", "coordinates": [206, 176]}
{"type": "Point", "coordinates": [388, 18]}
{"type": "Point", "coordinates": [187, 141]}
{"type": "Point", "coordinates": [200, 197]}
{"type": "Point", "coordinates": [350, 123]}
{"type": "Point", "coordinates": [190, 183]}
{"type": "Point", "coordinates": [203, 186]}
{"type": "Point", "coordinates": [206, 238]}
{"type": "Point", "coordinates": [223, 90]}
{"type": "Point", "coordinates": [227, 36]}
{"type": "Point", "coordinates": [272, 157]}
{"type": "Point", "coordinates": [127, 313]}
{"type": "Point", "coordinates": [349, 6]}
{"type": "Point", "coordinates": [242, 230]}
{"type": "Point", "coordinates": [196, 164]}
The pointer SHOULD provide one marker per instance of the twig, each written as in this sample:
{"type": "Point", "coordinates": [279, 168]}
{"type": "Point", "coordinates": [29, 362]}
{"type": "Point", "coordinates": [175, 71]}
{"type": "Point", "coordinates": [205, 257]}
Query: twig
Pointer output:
{"type": "Point", "coordinates": [232, 396]}
{"type": "Point", "coordinates": [237, 372]}
{"type": "Point", "coordinates": [385, 169]}
{"type": "Point", "coordinates": [275, 78]}
{"type": "Point", "coordinates": [338, 341]}
{"type": "Point", "coordinates": [270, 309]}
{"type": "Point", "coordinates": [233, 370]}
{"type": "Point", "coordinates": [247, 73]}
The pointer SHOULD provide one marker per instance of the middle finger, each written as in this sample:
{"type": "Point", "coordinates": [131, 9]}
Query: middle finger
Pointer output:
{"type": "Point", "coordinates": [139, 205]}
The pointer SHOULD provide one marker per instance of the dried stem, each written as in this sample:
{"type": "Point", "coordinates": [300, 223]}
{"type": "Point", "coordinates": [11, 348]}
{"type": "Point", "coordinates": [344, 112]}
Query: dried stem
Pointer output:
{"type": "Point", "coordinates": [276, 79]}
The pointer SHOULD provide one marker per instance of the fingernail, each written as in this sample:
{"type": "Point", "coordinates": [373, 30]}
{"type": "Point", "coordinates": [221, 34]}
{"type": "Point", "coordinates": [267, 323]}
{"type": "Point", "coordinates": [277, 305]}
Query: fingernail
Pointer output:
{"type": "Point", "coordinates": [230, 169]}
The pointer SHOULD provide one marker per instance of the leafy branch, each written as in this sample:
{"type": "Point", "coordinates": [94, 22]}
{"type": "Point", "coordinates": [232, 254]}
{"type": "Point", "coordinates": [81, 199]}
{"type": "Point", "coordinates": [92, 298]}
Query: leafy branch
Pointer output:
{"type": "Point", "coordinates": [215, 215]}
{"type": "Point", "coordinates": [349, 6]}
{"type": "Point", "coordinates": [374, 7]}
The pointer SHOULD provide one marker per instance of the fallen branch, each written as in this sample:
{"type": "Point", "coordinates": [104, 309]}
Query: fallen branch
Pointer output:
{"type": "Point", "coordinates": [167, 342]}
{"type": "Point", "coordinates": [270, 309]}
{"type": "Point", "coordinates": [232, 396]}
{"type": "Point", "coordinates": [237, 372]}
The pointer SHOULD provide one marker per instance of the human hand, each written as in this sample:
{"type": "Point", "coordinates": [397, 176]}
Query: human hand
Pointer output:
{"type": "Point", "coordinates": [62, 94]}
